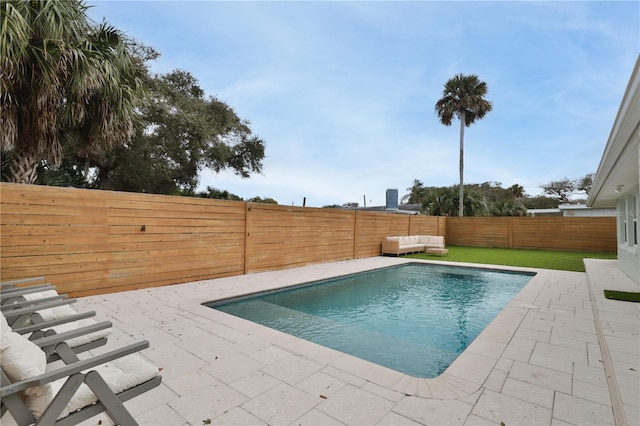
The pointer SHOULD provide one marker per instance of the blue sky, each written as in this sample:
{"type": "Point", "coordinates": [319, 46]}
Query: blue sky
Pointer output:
{"type": "Point", "coordinates": [343, 93]}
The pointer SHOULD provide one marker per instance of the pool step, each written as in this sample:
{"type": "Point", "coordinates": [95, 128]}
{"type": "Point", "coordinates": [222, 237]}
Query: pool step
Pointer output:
{"type": "Point", "coordinates": [390, 351]}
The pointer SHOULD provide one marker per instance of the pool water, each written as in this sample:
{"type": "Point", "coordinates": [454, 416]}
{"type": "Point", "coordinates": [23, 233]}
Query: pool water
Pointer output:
{"type": "Point", "coordinates": [413, 318]}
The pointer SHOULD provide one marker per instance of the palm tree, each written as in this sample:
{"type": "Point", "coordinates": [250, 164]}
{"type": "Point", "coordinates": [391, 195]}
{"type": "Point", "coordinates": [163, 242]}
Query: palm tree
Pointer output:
{"type": "Point", "coordinates": [444, 202]}
{"type": "Point", "coordinates": [517, 191]}
{"type": "Point", "coordinates": [62, 78]}
{"type": "Point", "coordinates": [508, 208]}
{"type": "Point", "coordinates": [416, 193]}
{"type": "Point", "coordinates": [463, 97]}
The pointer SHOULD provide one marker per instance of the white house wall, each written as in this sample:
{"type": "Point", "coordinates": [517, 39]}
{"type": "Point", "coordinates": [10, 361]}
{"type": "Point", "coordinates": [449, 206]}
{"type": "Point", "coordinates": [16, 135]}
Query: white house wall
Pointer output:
{"type": "Point", "coordinates": [628, 223]}
{"type": "Point", "coordinates": [617, 180]}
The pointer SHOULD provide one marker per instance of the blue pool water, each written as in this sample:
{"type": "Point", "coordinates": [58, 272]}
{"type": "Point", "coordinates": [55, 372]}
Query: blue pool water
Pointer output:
{"type": "Point", "coordinates": [413, 318]}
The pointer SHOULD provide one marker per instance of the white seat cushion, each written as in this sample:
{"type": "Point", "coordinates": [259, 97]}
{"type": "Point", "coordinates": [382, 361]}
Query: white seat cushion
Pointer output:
{"type": "Point", "coordinates": [120, 374]}
{"type": "Point", "coordinates": [85, 338]}
{"type": "Point", "coordinates": [51, 313]}
{"type": "Point", "coordinates": [60, 312]}
{"type": "Point", "coordinates": [406, 240]}
{"type": "Point", "coordinates": [436, 240]}
{"type": "Point", "coordinates": [22, 359]}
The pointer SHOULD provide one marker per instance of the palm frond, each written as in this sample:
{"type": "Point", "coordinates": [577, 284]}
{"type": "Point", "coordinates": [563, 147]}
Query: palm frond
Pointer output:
{"type": "Point", "coordinates": [59, 72]}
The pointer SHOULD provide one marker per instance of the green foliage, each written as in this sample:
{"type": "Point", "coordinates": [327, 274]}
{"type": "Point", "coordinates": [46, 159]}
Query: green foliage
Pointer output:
{"type": "Point", "coordinates": [262, 200]}
{"type": "Point", "coordinates": [508, 208]}
{"type": "Point", "coordinates": [463, 97]}
{"type": "Point", "coordinates": [417, 193]}
{"type": "Point", "coordinates": [510, 201]}
{"type": "Point", "coordinates": [445, 202]}
{"type": "Point", "coordinates": [63, 77]}
{"type": "Point", "coordinates": [585, 183]}
{"type": "Point", "coordinates": [562, 260]}
{"type": "Point", "coordinates": [539, 202]}
{"type": "Point", "coordinates": [183, 132]}
{"type": "Point", "coordinates": [517, 191]}
{"type": "Point", "coordinates": [67, 174]}
{"type": "Point", "coordinates": [218, 194]}
{"type": "Point", "coordinates": [562, 190]}
{"type": "Point", "coordinates": [350, 205]}
{"type": "Point", "coordinates": [78, 99]}
{"type": "Point", "coordinates": [493, 191]}
{"type": "Point", "coordinates": [488, 198]}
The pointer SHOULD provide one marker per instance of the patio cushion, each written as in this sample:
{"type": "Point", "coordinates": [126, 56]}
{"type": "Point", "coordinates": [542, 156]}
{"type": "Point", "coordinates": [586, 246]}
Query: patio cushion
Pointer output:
{"type": "Point", "coordinates": [51, 313]}
{"type": "Point", "coordinates": [85, 338]}
{"type": "Point", "coordinates": [409, 240]}
{"type": "Point", "coordinates": [120, 374]}
{"type": "Point", "coordinates": [436, 239]}
{"type": "Point", "coordinates": [59, 312]}
{"type": "Point", "coordinates": [21, 359]}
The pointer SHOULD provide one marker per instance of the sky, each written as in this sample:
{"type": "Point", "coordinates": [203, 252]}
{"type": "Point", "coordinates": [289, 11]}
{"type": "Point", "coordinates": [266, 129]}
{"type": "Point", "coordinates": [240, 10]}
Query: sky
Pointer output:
{"type": "Point", "coordinates": [343, 92]}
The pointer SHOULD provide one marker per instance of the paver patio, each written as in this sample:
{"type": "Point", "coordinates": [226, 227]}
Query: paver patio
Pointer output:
{"type": "Point", "coordinates": [559, 354]}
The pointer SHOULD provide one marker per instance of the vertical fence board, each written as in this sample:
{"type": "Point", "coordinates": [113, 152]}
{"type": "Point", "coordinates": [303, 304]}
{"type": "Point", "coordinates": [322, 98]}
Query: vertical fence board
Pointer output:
{"type": "Point", "coordinates": [286, 237]}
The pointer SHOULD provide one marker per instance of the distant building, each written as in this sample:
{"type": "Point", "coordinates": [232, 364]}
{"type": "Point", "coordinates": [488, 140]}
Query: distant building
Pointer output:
{"type": "Point", "coordinates": [392, 205]}
{"type": "Point", "coordinates": [573, 210]}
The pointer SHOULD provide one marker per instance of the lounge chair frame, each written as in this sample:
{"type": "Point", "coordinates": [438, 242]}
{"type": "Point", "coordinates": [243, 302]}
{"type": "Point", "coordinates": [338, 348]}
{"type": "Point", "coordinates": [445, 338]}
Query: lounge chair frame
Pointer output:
{"type": "Point", "coordinates": [108, 402]}
{"type": "Point", "coordinates": [23, 317]}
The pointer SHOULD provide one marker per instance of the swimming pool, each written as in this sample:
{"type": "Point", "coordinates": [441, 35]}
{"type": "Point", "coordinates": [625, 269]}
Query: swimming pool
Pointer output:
{"type": "Point", "coordinates": [414, 318]}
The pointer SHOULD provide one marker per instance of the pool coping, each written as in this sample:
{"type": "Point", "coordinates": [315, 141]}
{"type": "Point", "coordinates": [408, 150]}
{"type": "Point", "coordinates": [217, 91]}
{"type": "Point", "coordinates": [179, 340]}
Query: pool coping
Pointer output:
{"type": "Point", "coordinates": [466, 374]}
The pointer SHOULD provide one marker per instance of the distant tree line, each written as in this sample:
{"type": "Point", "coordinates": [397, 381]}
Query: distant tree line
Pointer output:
{"type": "Point", "coordinates": [219, 194]}
{"type": "Point", "coordinates": [491, 199]}
{"type": "Point", "coordinates": [564, 189]}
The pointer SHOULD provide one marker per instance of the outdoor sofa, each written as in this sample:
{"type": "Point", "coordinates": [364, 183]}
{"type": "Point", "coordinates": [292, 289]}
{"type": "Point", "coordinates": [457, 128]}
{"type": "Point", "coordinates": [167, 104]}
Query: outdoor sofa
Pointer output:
{"type": "Point", "coordinates": [411, 244]}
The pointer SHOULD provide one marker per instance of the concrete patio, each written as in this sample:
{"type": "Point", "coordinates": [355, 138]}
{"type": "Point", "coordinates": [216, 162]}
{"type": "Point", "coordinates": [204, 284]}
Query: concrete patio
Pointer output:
{"type": "Point", "coordinates": [559, 354]}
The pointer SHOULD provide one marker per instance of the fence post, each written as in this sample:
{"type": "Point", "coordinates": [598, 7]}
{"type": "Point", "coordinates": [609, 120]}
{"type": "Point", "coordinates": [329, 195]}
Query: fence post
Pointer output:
{"type": "Point", "coordinates": [247, 234]}
{"type": "Point", "coordinates": [510, 231]}
{"type": "Point", "coordinates": [355, 234]}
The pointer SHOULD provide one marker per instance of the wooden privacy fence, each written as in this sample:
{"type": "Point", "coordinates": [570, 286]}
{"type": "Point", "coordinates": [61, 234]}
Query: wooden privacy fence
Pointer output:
{"type": "Point", "coordinates": [545, 233]}
{"type": "Point", "coordinates": [91, 242]}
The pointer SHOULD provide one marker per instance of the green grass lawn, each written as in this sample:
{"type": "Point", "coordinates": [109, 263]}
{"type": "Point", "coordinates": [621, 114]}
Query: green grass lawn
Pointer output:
{"type": "Point", "coordinates": [564, 260]}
